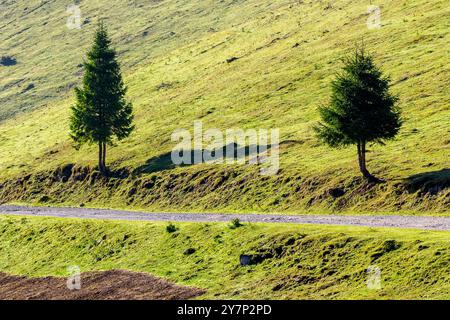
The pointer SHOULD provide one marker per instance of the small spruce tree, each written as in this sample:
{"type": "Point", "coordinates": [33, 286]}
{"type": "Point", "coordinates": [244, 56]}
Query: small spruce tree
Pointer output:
{"type": "Point", "coordinates": [101, 111]}
{"type": "Point", "coordinates": [362, 110]}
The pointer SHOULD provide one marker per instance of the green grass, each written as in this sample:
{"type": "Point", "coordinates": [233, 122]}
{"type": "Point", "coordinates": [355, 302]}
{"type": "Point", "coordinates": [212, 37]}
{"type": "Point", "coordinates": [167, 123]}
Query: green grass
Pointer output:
{"type": "Point", "coordinates": [309, 262]}
{"type": "Point", "coordinates": [274, 84]}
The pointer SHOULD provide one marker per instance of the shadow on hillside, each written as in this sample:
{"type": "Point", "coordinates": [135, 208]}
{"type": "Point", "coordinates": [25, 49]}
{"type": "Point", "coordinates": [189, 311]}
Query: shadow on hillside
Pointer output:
{"type": "Point", "coordinates": [431, 182]}
{"type": "Point", "coordinates": [165, 162]}
{"type": "Point", "coordinates": [7, 61]}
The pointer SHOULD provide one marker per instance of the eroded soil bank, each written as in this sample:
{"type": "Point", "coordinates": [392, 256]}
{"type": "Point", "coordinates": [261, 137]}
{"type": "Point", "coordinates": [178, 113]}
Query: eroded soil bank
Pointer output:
{"type": "Point", "coordinates": [232, 190]}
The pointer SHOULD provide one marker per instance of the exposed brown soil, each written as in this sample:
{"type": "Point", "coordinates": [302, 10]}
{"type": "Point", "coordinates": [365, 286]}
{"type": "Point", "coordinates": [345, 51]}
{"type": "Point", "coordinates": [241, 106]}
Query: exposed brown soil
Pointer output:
{"type": "Point", "coordinates": [107, 285]}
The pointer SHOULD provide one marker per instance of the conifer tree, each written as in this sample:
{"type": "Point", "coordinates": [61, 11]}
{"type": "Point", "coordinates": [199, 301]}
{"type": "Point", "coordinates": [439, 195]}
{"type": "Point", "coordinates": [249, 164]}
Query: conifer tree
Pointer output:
{"type": "Point", "coordinates": [101, 112]}
{"type": "Point", "coordinates": [362, 110]}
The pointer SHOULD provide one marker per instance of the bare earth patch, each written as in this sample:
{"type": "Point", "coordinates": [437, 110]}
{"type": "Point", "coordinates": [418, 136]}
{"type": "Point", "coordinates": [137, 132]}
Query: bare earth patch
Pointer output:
{"type": "Point", "coordinates": [99, 285]}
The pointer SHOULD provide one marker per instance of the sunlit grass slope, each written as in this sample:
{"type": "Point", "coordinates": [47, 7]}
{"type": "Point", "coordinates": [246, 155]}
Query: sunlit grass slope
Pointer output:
{"type": "Point", "coordinates": [295, 262]}
{"type": "Point", "coordinates": [174, 59]}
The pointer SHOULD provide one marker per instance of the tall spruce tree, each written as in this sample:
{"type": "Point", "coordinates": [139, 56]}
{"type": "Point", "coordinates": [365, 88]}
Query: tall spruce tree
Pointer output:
{"type": "Point", "coordinates": [101, 111]}
{"type": "Point", "coordinates": [362, 110]}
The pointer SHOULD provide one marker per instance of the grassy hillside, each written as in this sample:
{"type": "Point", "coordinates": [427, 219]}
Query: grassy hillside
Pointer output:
{"type": "Point", "coordinates": [299, 262]}
{"type": "Point", "coordinates": [174, 57]}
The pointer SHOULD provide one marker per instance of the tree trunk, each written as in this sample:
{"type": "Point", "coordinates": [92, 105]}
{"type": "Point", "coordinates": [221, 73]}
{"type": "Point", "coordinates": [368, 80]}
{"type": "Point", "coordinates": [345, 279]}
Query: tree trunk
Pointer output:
{"type": "Point", "coordinates": [105, 169]}
{"type": "Point", "coordinates": [362, 163]}
{"type": "Point", "coordinates": [100, 156]}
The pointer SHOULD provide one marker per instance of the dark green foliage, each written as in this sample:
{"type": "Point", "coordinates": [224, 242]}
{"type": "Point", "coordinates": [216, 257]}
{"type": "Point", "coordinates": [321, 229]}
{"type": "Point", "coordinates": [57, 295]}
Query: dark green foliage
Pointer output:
{"type": "Point", "coordinates": [171, 228]}
{"type": "Point", "coordinates": [101, 111]}
{"type": "Point", "coordinates": [236, 223]}
{"type": "Point", "coordinates": [362, 110]}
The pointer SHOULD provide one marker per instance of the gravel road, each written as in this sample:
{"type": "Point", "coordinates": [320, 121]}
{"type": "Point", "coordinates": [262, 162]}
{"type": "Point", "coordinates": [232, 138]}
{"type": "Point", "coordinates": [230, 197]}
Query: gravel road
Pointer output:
{"type": "Point", "coordinates": [412, 222]}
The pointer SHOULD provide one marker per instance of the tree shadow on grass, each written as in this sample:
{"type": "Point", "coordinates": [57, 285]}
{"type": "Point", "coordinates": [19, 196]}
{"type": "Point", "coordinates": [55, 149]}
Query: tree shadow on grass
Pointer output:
{"type": "Point", "coordinates": [164, 162]}
{"type": "Point", "coordinates": [430, 182]}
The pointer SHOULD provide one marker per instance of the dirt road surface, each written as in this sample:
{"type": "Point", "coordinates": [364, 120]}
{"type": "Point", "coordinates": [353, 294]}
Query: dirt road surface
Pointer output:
{"type": "Point", "coordinates": [392, 221]}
